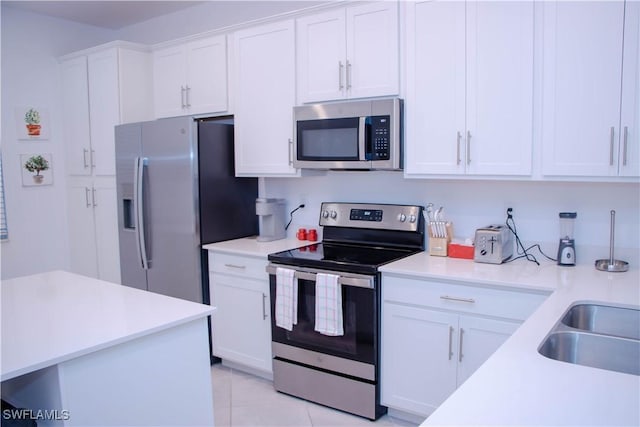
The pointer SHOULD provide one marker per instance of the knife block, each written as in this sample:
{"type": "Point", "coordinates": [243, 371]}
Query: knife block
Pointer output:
{"type": "Point", "coordinates": [438, 246]}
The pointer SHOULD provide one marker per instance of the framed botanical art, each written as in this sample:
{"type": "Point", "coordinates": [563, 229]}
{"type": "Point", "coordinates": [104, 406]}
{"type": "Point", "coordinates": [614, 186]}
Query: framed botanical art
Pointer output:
{"type": "Point", "coordinates": [32, 123]}
{"type": "Point", "coordinates": [36, 169]}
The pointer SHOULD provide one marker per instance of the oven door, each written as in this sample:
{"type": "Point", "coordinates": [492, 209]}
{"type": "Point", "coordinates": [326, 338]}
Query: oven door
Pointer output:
{"type": "Point", "coordinates": [359, 311]}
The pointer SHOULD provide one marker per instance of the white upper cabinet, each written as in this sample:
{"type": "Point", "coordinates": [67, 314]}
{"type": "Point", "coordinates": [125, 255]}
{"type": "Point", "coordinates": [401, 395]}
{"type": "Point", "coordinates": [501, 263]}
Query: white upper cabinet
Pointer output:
{"type": "Point", "coordinates": [469, 95]}
{"type": "Point", "coordinates": [102, 89]}
{"type": "Point", "coordinates": [584, 69]}
{"type": "Point", "coordinates": [264, 96]}
{"type": "Point", "coordinates": [75, 106]}
{"type": "Point", "coordinates": [629, 153]}
{"type": "Point", "coordinates": [348, 53]}
{"type": "Point", "coordinates": [191, 78]}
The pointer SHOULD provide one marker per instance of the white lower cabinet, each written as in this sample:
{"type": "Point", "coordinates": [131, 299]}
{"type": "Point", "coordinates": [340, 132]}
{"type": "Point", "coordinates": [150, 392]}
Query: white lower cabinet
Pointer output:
{"type": "Point", "coordinates": [241, 324]}
{"type": "Point", "coordinates": [93, 228]}
{"type": "Point", "coordinates": [435, 335]}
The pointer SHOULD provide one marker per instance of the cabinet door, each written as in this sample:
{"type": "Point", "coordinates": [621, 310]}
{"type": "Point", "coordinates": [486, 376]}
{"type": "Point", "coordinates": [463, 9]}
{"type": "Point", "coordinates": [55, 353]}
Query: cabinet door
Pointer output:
{"type": "Point", "coordinates": [82, 242]}
{"type": "Point", "coordinates": [499, 88]}
{"type": "Point", "coordinates": [104, 110]}
{"type": "Point", "coordinates": [169, 81]}
{"type": "Point", "coordinates": [582, 60]}
{"type": "Point", "coordinates": [629, 163]}
{"type": "Point", "coordinates": [418, 357]}
{"type": "Point", "coordinates": [373, 62]}
{"type": "Point", "coordinates": [241, 325]}
{"type": "Point", "coordinates": [264, 68]}
{"type": "Point", "coordinates": [478, 339]}
{"type": "Point", "coordinates": [75, 103]}
{"type": "Point", "coordinates": [435, 119]}
{"type": "Point", "coordinates": [321, 56]}
{"type": "Point", "coordinates": [105, 210]}
{"type": "Point", "coordinates": [207, 75]}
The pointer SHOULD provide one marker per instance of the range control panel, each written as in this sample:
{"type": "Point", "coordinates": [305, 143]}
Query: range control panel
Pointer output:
{"type": "Point", "coordinates": [361, 215]}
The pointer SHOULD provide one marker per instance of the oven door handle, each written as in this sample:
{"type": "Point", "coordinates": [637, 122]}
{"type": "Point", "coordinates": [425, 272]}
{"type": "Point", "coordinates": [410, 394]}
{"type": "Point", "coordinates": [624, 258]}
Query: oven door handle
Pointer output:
{"type": "Point", "coordinates": [359, 281]}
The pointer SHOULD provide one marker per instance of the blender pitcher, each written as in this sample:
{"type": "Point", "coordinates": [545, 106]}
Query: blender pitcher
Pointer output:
{"type": "Point", "coordinates": [567, 248]}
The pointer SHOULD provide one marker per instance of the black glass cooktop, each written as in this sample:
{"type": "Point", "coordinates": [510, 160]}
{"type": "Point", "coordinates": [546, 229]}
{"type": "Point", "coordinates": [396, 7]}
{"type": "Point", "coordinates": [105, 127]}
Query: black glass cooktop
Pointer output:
{"type": "Point", "coordinates": [340, 257]}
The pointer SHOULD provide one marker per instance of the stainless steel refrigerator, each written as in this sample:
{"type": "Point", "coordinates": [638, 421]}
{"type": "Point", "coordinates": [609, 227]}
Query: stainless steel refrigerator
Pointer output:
{"type": "Point", "coordinates": [177, 190]}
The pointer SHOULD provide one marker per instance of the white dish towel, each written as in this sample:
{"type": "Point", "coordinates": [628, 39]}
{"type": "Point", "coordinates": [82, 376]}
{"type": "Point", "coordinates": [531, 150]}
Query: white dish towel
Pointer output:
{"type": "Point", "coordinates": [328, 305]}
{"type": "Point", "coordinates": [286, 298]}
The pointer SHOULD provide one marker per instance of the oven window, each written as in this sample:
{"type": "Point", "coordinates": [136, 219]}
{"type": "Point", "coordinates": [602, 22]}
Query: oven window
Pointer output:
{"type": "Point", "coordinates": [359, 321]}
{"type": "Point", "coordinates": [329, 139]}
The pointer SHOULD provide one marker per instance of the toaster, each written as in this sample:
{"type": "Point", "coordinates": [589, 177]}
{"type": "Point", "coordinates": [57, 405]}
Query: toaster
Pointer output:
{"type": "Point", "coordinates": [493, 244]}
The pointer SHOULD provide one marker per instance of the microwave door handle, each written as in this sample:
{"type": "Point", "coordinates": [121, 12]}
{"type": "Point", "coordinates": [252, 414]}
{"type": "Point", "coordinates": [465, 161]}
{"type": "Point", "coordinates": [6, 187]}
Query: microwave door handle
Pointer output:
{"type": "Point", "coordinates": [362, 137]}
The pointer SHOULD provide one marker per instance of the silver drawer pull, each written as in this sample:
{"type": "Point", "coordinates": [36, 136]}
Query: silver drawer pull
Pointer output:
{"type": "Point", "coordinates": [448, 298]}
{"type": "Point", "coordinates": [239, 267]}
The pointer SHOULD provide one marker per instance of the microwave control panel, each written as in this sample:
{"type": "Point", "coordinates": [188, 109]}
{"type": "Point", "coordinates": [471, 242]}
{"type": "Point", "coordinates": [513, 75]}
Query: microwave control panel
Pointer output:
{"type": "Point", "coordinates": [379, 137]}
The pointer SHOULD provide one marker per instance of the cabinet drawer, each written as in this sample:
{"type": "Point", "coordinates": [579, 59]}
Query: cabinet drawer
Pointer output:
{"type": "Point", "coordinates": [238, 265]}
{"type": "Point", "coordinates": [510, 304]}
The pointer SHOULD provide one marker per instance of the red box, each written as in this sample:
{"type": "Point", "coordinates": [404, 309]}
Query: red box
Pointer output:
{"type": "Point", "coordinates": [456, 250]}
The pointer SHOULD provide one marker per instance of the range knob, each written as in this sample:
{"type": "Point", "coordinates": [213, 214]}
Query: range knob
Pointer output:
{"type": "Point", "coordinates": [412, 218]}
{"type": "Point", "coordinates": [325, 214]}
{"type": "Point", "coordinates": [333, 214]}
{"type": "Point", "coordinates": [402, 217]}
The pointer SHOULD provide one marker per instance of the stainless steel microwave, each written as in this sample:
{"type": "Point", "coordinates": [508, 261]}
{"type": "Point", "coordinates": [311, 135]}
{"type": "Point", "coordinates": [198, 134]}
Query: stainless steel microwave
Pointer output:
{"type": "Point", "coordinates": [352, 135]}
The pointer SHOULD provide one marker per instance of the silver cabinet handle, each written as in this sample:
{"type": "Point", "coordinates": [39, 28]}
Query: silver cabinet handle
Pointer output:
{"type": "Point", "coordinates": [182, 96]}
{"type": "Point", "coordinates": [84, 157]}
{"type": "Point", "coordinates": [458, 299]}
{"type": "Point", "coordinates": [611, 144]}
{"type": "Point", "coordinates": [450, 342]}
{"type": "Point", "coordinates": [458, 138]}
{"type": "Point", "coordinates": [624, 146]}
{"type": "Point", "coordinates": [236, 266]}
{"type": "Point", "coordinates": [93, 197]}
{"type": "Point", "coordinates": [348, 75]}
{"type": "Point", "coordinates": [187, 92]}
{"type": "Point", "coordinates": [86, 196]}
{"type": "Point", "coordinates": [460, 346]}
{"type": "Point", "coordinates": [340, 73]}
{"type": "Point", "coordinates": [468, 147]}
{"type": "Point", "coordinates": [264, 305]}
{"type": "Point", "coordinates": [93, 158]}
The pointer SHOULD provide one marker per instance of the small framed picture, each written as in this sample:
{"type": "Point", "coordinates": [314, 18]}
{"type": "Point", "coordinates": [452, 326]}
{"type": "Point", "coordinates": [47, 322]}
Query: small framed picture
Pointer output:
{"type": "Point", "coordinates": [32, 123]}
{"type": "Point", "coordinates": [37, 169]}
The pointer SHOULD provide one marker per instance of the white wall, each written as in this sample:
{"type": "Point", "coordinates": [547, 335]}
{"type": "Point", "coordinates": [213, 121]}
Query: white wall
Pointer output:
{"type": "Point", "coordinates": [36, 216]}
{"type": "Point", "coordinates": [474, 204]}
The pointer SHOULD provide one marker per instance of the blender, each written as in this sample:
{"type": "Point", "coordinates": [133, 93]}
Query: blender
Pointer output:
{"type": "Point", "coordinates": [567, 247]}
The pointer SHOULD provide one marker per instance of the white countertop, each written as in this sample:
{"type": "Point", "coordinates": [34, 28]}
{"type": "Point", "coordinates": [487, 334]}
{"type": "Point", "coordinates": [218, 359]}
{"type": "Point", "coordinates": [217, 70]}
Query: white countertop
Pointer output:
{"type": "Point", "coordinates": [53, 317]}
{"type": "Point", "coordinates": [517, 385]}
{"type": "Point", "coordinates": [250, 246]}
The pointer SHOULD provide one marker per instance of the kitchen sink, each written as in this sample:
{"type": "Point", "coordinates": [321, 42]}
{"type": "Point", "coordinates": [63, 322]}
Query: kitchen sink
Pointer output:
{"type": "Point", "coordinates": [604, 319]}
{"type": "Point", "coordinates": [598, 351]}
{"type": "Point", "coordinates": [596, 335]}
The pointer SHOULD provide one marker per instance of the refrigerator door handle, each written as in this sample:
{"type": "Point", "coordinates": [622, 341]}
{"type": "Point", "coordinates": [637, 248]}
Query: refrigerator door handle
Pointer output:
{"type": "Point", "coordinates": [138, 209]}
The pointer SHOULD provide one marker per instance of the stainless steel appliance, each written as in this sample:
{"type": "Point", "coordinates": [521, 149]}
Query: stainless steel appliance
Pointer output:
{"type": "Point", "coordinates": [177, 191]}
{"type": "Point", "coordinates": [272, 219]}
{"type": "Point", "coordinates": [359, 135]}
{"type": "Point", "coordinates": [342, 371]}
{"type": "Point", "coordinates": [493, 244]}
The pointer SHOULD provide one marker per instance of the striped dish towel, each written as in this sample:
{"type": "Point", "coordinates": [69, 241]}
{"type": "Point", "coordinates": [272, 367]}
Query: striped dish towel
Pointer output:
{"type": "Point", "coordinates": [286, 298]}
{"type": "Point", "coordinates": [328, 305]}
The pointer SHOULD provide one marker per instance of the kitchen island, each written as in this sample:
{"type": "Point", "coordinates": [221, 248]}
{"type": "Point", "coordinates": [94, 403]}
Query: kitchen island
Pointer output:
{"type": "Point", "coordinates": [517, 385]}
{"type": "Point", "coordinates": [77, 351]}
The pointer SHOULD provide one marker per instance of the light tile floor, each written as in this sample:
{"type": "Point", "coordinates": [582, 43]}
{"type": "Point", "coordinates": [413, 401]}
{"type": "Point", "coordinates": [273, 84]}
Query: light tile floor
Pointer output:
{"type": "Point", "coordinates": [241, 399]}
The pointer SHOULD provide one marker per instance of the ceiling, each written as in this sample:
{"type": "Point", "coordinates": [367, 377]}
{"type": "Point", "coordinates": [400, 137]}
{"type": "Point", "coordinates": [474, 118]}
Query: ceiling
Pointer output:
{"type": "Point", "coordinates": [106, 14]}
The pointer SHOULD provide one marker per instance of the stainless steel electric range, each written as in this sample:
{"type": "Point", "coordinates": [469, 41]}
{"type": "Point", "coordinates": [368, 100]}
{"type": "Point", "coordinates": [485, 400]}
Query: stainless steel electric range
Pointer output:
{"type": "Point", "coordinates": [342, 371]}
